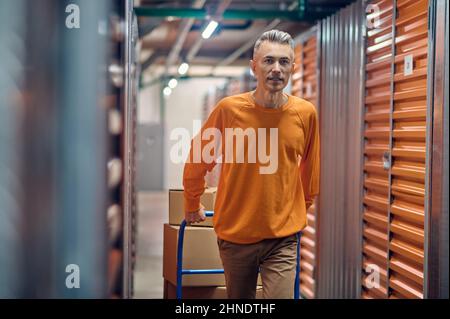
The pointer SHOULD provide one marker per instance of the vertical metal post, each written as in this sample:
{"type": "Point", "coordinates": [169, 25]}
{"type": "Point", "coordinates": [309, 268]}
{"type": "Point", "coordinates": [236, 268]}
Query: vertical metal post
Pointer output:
{"type": "Point", "coordinates": [429, 134]}
{"type": "Point", "coordinates": [391, 143]}
{"type": "Point", "coordinates": [11, 142]}
{"type": "Point", "coordinates": [129, 110]}
{"type": "Point", "coordinates": [180, 245]}
{"type": "Point", "coordinates": [127, 248]}
{"type": "Point", "coordinates": [436, 214]}
{"type": "Point", "coordinates": [362, 76]}
{"type": "Point", "coordinates": [332, 128]}
{"type": "Point", "coordinates": [297, 269]}
{"type": "Point", "coordinates": [319, 109]}
{"type": "Point", "coordinates": [79, 221]}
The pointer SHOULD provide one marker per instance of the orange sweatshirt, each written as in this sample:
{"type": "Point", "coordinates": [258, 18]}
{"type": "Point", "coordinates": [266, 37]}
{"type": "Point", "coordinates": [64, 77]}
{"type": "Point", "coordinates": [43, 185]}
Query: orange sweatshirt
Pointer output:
{"type": "Point", "coordinates": [264, 189]}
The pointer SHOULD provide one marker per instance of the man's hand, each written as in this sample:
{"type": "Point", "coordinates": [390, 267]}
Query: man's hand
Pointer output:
{"type": "Point", "coordinates": [195, 217]}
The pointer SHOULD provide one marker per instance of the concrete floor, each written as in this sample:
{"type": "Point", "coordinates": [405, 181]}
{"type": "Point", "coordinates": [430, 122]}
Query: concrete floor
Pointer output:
{"type": "Point", "coordinates": [153, 212]}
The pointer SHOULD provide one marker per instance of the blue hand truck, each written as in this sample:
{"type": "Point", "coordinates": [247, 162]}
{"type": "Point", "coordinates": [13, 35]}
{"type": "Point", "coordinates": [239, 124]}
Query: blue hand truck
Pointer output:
{"type": "Point", "coordinates": [181, 271]}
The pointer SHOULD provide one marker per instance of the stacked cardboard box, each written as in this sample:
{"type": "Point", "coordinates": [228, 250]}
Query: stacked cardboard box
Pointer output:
{"type": "Point", "coordinates": [218, 292]}
{"type": "Point", "coordinates": [200, 251]}
{"type": "Point", "coordinates": [176, 206]}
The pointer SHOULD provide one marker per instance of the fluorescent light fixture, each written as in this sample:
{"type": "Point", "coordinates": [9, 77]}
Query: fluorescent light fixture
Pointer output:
{"type": "Point", "coordinates": [183, 68]}
{"type": "Point", "coordinates": [209, 29]}
{"type": "Point", "coordinates": [173, 83]}
{"type": "Point", "coordinates": [167, 91]}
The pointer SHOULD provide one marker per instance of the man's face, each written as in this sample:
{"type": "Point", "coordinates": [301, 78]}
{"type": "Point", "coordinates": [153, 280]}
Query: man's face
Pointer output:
{"type": "Point", "coordinates": [273, 65]}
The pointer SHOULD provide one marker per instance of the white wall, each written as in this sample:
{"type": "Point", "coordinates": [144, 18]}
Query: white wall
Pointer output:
{"type": "Point", "coordinates": [182, 107]}
{"type": "Point", "coordinates": [149, 104]}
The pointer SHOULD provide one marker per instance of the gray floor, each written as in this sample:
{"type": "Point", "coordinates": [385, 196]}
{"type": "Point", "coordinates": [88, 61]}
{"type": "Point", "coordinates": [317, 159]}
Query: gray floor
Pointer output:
{"type": "Point", "coordinates": [153, 211]}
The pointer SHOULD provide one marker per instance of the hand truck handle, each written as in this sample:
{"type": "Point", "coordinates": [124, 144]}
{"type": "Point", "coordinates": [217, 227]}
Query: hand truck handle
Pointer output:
{"type": "Point", "coordinates": [180, 271]}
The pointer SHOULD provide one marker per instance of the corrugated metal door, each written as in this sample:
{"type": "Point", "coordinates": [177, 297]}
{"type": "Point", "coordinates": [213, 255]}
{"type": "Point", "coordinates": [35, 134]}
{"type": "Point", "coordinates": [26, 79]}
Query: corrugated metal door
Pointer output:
{"type": "Point", "coordinates": [341, 86]}
{"type": "Point", "coordinates": [304, 85]}
{"type": "Point", "coordinates": [409, 150]}
{"type": "Point", "coordinates": [377, 135]}
{"type": "Point", "coordinates": [395, 150]}
{"type": "Point", "coordinates": [304, 78]}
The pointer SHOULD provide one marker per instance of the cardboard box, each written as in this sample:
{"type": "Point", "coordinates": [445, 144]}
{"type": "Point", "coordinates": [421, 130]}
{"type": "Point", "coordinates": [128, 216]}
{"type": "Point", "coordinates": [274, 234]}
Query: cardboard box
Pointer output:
{"type": "Point", "coordinates": [218, 292]}
{"type": "Point", "coordinates": [176, 205]}
{"type": "Point", "coordinates": [200, 251]}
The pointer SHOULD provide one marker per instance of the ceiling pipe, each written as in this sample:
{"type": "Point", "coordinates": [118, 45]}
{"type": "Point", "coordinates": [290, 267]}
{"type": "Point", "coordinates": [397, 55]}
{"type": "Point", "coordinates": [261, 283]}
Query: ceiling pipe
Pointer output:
{"type": "Point", "coordinates": [305, 13]}
{"type": "Point", "coordinates": [235, 14]}
{"type": "Point", "coordinates": [160, 53]}
{"type": "Point", "coordinates": [217, 17]}
{"type": "Point", "coordinates": [147, 27]}
{"type": "Point", "coordinates": [151, 59]}
{"type": "Point", "coordinates": [243, 26]}
{"type": "Point", "coordinates": [160, 80]}
{"type": "Point", "coordinates": [185, 27]}
{"type": "Point", "coordinates": [249, 44]}
{"type": "Point", "coordinates": [302, 8]}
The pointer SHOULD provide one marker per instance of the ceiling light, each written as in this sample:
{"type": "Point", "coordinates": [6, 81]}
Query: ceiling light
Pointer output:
{"type": "Point", "coordinates": [209, 29]}
{"type": "Point", "coordinates": [167, 91]}
{"type": "Point", "coordinates": [172, 83]}
{"type": "Point", "coordinates": [183, 68]}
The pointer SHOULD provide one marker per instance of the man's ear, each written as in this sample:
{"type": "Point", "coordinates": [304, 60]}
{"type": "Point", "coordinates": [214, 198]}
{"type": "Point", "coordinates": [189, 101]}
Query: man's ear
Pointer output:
{"type": "Point", "coordinates": [252, 66]}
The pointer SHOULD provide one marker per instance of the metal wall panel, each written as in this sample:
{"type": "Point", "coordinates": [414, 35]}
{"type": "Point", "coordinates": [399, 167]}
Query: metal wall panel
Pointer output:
{"type": "Point", "coordinates": [341, 92]}
{"type": "Point", "coordinates": [305, 85]}
{"type": "Point", "coordinates": [398, 108]}
{"type": "Point", "coordinates": [53, 190]}
{"type": "Point", "coordinates": [129, 148]}
{"type": "Point", "coordinates": [438, 268]}
{"type": "Point", "coordinates": [409, 152]}
{"type": "Point", "coordinates": [54, 151]}
{"type": "Point", "coordinates": [12, 56]}
{"type": "Point", "coordinates": [376, 144]}
{"type": "Point", "coordinates": [80, 191]}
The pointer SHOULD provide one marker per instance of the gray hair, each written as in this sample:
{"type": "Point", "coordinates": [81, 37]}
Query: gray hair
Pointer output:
{"type": "Point", "coordinates": [275, 36]}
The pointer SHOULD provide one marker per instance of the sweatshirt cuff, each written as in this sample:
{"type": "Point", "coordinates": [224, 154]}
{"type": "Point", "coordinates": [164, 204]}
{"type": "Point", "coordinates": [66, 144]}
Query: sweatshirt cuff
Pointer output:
{"type": "Point", "coordinates": [192, 205]}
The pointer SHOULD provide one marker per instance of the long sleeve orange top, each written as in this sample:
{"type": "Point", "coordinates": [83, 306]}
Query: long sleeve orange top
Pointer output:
{"type": "Point", "coordinates": [261, 196]}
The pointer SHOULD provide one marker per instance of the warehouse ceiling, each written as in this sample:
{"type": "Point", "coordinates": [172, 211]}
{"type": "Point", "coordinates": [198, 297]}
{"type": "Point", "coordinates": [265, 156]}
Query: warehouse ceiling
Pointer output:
{"type": "Point", "coordinates": [170, 31]}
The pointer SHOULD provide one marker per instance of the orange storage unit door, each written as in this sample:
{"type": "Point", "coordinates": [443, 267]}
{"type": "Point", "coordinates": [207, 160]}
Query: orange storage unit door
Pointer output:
{"type": "Point", "coordinates": [396, 149]}
{"type": "Point", "coordinates": [377, 136]}
{"type": "Point", "coordinates": [304, 85]}
{"type": "Point", "coordinates": [409, 151]}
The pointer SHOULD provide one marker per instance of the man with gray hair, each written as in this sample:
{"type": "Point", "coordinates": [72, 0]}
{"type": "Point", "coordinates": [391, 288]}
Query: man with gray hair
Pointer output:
{"type": "Point", "coordinates": [257, 216]}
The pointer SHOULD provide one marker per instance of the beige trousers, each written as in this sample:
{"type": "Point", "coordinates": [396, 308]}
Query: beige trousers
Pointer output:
{"type": "Point", "coordinates": [275, 259]}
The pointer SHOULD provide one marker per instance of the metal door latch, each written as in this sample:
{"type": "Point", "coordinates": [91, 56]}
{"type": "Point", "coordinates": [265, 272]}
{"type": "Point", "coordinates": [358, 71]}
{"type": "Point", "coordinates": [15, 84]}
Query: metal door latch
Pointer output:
{"type": "Point", "coordinates": [386, 161]}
